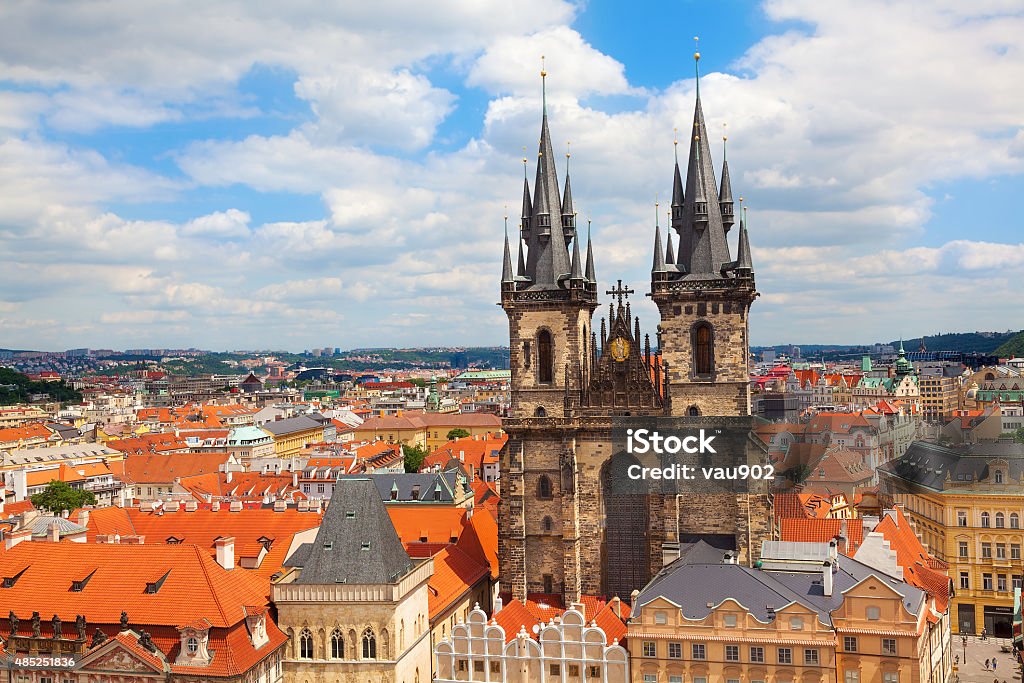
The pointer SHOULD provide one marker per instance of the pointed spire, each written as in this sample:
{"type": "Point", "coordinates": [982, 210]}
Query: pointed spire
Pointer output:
{"type": "Point", "coordinates": [725, 203]}
{"type": "Point", "coordinates": [670, 253]}
{"type": "Point", "coordinates": [659, 255]}
{"type": "Point", "coordinates": [521, 270]}
{"type": "Point", "coordinates": [743, 260]}
{"type": "Point", "coordinates": [703, 247]}
{"type": "Point", "coordinates": [590, 257]}
{"type": "Point", "coordinates": [577, 266]}
{"type": "Point", "coordinates": [506, 267]}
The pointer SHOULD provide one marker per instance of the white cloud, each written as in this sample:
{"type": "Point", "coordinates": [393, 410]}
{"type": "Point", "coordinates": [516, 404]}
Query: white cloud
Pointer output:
{"type": "Point", "coordinates": [839, 128]}
{"type": "Point", "coordinates": [372, 107]}
{"type": "Point", "coordinates": [512, 63]}
{"type": "Point", "coordinates": [225, 224]}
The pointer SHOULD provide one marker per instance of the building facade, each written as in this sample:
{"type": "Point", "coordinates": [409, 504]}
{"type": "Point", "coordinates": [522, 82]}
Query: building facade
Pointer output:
{"type": "Point", "coordinates": [564, 530]}
{"type": "Point", "coordinates": [967, 503]}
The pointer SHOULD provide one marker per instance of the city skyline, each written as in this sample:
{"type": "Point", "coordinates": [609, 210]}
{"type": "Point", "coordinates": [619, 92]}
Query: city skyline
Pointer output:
{"type": "Point", "coordinates": [333, 174]}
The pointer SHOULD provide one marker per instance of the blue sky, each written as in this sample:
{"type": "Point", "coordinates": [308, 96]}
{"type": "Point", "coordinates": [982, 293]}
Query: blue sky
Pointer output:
{"type": "Point", "coordinates": [227, 176]}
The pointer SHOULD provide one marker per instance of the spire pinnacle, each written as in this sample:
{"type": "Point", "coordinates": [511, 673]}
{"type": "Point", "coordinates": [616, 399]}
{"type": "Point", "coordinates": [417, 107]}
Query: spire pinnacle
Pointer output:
{"type": "Point", "coordinates": [675, 144]}
{"type": "Point", "coordinates": [506, 266]}
{"type": "Point", "coordinates": [725, 139]}
{"type": "Point", "coordinates": [743, 260]}
{"type": "Point", "coordinates": [659, 255]}
{"type": "Point", "coordinates": [670, 253]}
{"type": "Point", "coordinates": [543, 86]}
{"type": "Point", "coordinates": [576, 272]}
{"type": "Point", "coordinates": [591, 277]}
{"type": "Point", "coordinates": [696, 62]}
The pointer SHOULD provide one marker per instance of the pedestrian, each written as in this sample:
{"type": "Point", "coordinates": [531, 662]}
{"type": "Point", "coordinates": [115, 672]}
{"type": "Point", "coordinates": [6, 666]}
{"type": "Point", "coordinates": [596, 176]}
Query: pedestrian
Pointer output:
{"type": "Point", "coordinates": [986, 665]}
{"type": "Point", "coordinates": [993, 663]}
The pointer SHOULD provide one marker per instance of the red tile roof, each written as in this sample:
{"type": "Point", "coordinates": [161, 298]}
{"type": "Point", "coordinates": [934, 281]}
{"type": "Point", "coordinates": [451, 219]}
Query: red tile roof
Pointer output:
{"type": "Point", "coordinates": [823, 531]}
{"type": "Point", "coordinates": [455, 573]}
{"type": "Point", "coordinates": [164, 468]}
{"type": "Point", "coordinates": [914, 558]}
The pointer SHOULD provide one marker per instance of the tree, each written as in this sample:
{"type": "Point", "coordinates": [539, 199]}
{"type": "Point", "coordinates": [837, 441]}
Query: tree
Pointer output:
{"type": "Point", "coordinates": [457, 433]}
{"type": "Point", "coordinates": [59, 496]}
{"type": "Point", "coordinates": [798, 473]}
{"type": "Point", "coordinates": [1018, 435]}
{"type": "Point", "coordinates": [414, 457]}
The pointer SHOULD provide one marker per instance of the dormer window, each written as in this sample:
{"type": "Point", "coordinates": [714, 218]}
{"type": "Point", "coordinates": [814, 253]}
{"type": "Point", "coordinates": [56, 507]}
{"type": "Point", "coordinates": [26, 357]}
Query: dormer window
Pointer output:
{"type": "Point", "coordinates": [192, 646]}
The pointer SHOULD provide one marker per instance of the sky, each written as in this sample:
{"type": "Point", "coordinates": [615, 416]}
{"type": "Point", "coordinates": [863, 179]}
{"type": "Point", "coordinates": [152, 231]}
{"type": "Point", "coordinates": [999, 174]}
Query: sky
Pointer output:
{"type": "Point", "coordinates": [238, 175]}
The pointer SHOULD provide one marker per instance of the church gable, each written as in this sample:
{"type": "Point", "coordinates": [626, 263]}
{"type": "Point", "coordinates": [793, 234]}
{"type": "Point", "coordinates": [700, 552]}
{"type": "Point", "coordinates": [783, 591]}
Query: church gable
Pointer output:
{"type": "Point", "coordinates": [124, 654]}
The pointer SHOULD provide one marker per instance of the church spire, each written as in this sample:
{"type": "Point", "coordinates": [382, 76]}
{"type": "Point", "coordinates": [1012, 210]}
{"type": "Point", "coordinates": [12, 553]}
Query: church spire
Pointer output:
{"type": "Point", "coordinates": [703, 249]}
{"type": "Point", "coordinates": [670, 253]}
{"type": "Point", "coordinates": [577, 263]}
{"type": "Point", "coordinates": [548, 260]}
{"type": "Point", "coordinates": [591, 277]}
{"type": "Point", "coordinates": [521, 268]}
{"type": "Point", "coordinates": [506, 266]}
{"type": "Point", "coordinates": [659, 255]}
{"type": "Point", "coordinates": [568, 217]}
{"type": "Point", "coordinates": [744, 265]}
{"type": "Point", "coordinates": [725, 203]}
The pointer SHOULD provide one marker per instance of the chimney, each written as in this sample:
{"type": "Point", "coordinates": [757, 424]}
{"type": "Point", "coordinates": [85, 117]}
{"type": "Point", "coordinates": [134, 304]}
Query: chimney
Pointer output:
{"type": "Point", "coordinates": [226, 552]}
{"type": "Point", "coordinates": [235, 506]}
{"type": "Point", "coordinates": [191, 506]}
{"type": "Point", "coordinates": [83, 515]}
{"type": "Point", "coordinates": [729, 558]}
{"type": "Point", "coordinates": [171, 506]}
{"type": "Point", "coordinates": [54, 532]}
{"type": "Point", "coordinates": [295, 479]}
{"type": "Point", "coordinates": [133, 540]}
{"type": "Point", "coordinates": [826, 579]}
{"type": "Point", "coordinates": [215, 506]}
{"type": "Point", "coordinates": [229, 477]}
{"type": "Point", "coordinates": [16, 537]}
{"type": "Point", "coordinates": [833, 549]}
{"type": "Point", "coordinates": [616, 606]}
{"type": "Point", "coordinates": [280, 505]}
{"type": "Point", "coordinates": [498, 604]}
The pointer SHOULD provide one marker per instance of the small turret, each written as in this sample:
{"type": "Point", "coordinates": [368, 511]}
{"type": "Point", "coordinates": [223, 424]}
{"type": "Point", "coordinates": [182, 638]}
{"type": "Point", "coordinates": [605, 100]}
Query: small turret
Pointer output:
{"type": "Point", "coordinates": [725, 204]}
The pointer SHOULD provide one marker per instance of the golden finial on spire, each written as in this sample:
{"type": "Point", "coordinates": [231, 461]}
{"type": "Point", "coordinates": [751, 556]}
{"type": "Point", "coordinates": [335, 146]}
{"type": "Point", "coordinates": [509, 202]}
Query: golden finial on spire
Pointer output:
{"type": "Point", "coordinates": [696, 48]}
{"type": "Point", "coordinates": [543, 85]}
{"type": "Point", "coordinates": [656, 210]}
{"type": "Point", "coordinates": [568, 149]}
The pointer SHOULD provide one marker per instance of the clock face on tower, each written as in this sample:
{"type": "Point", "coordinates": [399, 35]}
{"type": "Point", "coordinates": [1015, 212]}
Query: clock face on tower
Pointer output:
{"type": "Point", "coordinates": [619, 348]}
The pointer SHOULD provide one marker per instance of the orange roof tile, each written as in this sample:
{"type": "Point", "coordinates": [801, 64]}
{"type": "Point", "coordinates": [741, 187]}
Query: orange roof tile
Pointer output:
{"type": "Point", "coordinates": [914, 558]}
{"type": "Point", "coordinates": [202, 527]}
{"type": "Point", "coordinates": [822, 531]}
{"type": "Point", "coordinates": [455, 573]}
{"type": "Point", "coordinates": [164, 468]}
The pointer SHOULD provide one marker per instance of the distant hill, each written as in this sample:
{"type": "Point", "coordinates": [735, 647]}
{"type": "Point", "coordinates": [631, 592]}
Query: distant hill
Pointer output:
{"type": "Point", "coordinates": [17, 388]}
{"type": "Point", "coordinates": [1012, 347]}
{"type": "Point", "coordinates": [966, 342]}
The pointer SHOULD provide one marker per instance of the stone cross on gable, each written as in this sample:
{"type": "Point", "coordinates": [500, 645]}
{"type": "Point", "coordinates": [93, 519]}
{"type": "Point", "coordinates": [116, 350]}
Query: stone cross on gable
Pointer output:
{"type": "Point", "coordinates": [621, 292]}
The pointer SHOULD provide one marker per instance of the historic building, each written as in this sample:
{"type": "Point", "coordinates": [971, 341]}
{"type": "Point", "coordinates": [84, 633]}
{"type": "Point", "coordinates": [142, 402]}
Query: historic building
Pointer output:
{"type": "Point", "coordinates": [966, 503]}
{"type": "Point", "coordinates": [565, 530]}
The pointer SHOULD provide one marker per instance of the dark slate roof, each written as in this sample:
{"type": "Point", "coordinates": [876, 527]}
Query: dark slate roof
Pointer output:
{"type": "Point", "coordinates": [415, 486]}
{"type": "Point", "coordinates": [932, 466]}
{"type": "Point", "coordinates": [299, 556]}
{"type": "Point", "coordinates": [357, 542]}
{"type": "Point", "coordinates": [65, 431]}
{"type": "Point", "coordinates": [292, 424]}
{"type": "Point", "coordinates": [693, 583]}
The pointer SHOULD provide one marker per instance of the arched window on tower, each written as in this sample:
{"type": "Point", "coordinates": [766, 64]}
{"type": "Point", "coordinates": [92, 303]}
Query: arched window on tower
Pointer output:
{"type": "Point", "coordinates": [544, 487]}
{"type": "Point", "coordinates": [549, 525]}
{"type": "Point", "coordinates": [369, 644]}
{"type": "Point", "coordinates": [545, 358]}
{"type": "Point", "coordinates": [703, 349]}
{"type": "Point", "coordinates": [693, 411]}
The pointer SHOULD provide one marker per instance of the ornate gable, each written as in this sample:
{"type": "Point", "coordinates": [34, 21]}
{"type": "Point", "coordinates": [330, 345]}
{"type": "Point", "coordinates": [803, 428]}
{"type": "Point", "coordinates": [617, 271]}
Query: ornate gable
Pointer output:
{"type": "Point", "coordinates": [624, 375]}
{"type": "Point", "coordinates": [123, 654]}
